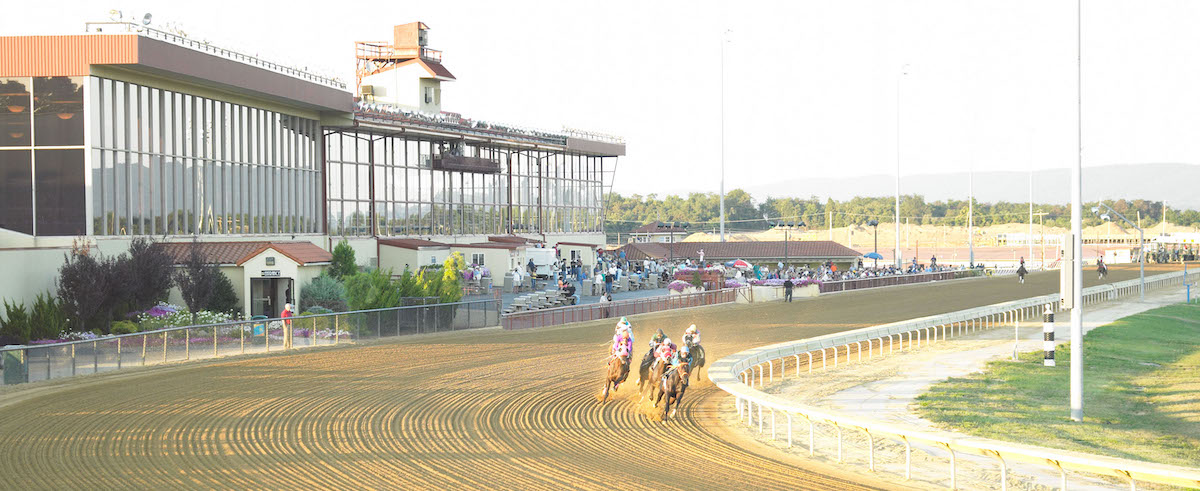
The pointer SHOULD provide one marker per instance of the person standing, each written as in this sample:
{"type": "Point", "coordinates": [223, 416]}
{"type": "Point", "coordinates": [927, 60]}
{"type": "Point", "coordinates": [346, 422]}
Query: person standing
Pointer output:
{"type": "Point", "coordinates": [787, 289]}
{"type": "Point", "coordinates": [286, 315]}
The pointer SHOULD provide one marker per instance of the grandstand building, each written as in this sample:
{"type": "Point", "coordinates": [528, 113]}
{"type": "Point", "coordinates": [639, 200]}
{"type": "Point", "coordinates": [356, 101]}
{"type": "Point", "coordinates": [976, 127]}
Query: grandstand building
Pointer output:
{"type": "Point", "coordinates": [130, 131]}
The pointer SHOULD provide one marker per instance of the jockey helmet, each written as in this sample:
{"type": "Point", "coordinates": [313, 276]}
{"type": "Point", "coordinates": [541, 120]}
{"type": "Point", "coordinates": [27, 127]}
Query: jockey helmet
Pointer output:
{"type": "Point", "coordinates": [691, 328]}
{"type": "Point", "coordinates": [667, 341]}
{"type": "Point", "coordinates": [683, 349]}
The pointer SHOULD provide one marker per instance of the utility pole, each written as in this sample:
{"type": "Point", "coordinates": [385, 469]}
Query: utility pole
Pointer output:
{"type": "Point", "coordinates": [722, 191]}
{"type": "Point", "coordinates": [899, 77]}
{"type": "Point", "coordinates": [971, 217]}
{"type": "Point", "coordinates": [1077, 232]}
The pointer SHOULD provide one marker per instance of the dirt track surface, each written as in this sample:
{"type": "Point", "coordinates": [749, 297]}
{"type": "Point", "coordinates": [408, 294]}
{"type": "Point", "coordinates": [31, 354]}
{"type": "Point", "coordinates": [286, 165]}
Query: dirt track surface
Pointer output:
{"type": "Point", "coordinates": [485, 409]}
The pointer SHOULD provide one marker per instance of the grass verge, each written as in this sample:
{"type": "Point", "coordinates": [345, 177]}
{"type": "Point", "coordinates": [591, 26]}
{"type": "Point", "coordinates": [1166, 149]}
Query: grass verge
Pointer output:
{"type": "Point", "coordinates": [1141, 393]}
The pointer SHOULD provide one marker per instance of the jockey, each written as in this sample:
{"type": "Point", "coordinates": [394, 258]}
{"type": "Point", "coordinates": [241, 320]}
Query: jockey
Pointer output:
{"type": "Point", "coordinates": [624, 325]}
{"type": "Point", "coordinates": [623, 338]}
{"type": "Point", "coordinates": [691, 336]}
{"type": "Point", "coordinates": [657, 340]}
{"type": "Point", "coordinates": [665, 351]}
{"type": "Point", "coordinates": [622, 347]}
{"type": "Point", "coordinates": [682, 357]}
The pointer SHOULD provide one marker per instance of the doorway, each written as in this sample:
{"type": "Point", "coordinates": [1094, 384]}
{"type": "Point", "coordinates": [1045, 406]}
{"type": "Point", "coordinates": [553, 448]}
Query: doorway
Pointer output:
{"type": "Point", "coordinates": [268, 295]}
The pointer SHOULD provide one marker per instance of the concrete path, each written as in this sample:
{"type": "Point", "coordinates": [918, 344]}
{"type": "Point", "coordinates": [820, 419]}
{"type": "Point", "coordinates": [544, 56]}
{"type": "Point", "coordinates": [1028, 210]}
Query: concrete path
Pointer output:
{"type": "Point", "coordinates": [887, 389]}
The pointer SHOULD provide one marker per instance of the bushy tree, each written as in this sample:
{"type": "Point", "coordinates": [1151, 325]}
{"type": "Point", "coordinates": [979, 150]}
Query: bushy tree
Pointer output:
{"type": "Point", "coordinates": [47, 320]}
{"type": "Point", "coordinates": [343, 264]}
{"type": "Point", "coordinates": [409, 285]}
{"type": "Point", "coordinates": [90, 288]}
{"type": "Point", "coordinates": [372, 289]}
{"type": "Point", "coordinates": [196, 279]}
{"type": "Point", "coordinates": [450, 289]}
{"type": "Point", "coordinates": [224, 299]}
{"type": "Point", "coordinates": [323, 291]}
{"type": "Point", "coordinates": [150, 271]}
{"type": "Point", "coordinates": [14, 327]}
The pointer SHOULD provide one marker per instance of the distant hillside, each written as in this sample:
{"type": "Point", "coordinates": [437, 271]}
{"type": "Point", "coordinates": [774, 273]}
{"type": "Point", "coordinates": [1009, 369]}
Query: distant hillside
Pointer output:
{"type": "Point", "coordinates": [1175, 183]}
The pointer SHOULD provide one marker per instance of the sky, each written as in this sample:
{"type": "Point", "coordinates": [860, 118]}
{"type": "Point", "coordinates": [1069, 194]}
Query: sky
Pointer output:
{"type": "Point", "coordinates": [811, 88]}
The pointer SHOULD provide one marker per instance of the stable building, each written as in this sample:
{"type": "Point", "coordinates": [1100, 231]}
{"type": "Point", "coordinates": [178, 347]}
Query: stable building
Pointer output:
{"type": "Point", "coordinates": [270, 272]}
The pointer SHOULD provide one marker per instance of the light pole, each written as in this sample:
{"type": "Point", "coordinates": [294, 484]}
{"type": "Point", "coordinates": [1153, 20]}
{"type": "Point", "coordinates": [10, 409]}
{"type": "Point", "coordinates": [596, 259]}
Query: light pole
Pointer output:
{"type": "Point", "coordinates": [724, 41]}
{"type": "Point", "coordinates": [875, 223]}
{"type": "Point", "coordinates": [1077, 232]}
{"type": "Point", "coordinates": [971, 217]}
{"type": "Point", "coordinates": [1141, 243]}
{"type": "Point", "coordinates": [1041, 236]}
{"type": "Point", "coordinates": [899, 77]}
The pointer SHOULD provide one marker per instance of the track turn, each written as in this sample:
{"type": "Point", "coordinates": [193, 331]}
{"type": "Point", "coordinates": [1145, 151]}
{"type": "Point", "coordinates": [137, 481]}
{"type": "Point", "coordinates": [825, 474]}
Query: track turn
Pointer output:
{"type": "Point", "coordinates": [483, 409]}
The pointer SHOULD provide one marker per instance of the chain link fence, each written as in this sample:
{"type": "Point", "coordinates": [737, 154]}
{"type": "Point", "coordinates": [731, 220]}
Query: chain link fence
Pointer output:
{"type": "Point", "coordinates": [23, 364]}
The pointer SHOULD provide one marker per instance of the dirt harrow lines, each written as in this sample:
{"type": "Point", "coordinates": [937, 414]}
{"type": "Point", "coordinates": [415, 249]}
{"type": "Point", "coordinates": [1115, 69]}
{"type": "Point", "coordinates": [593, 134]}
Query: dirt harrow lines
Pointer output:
{"type": "Point", "coordinates": [481, 409]}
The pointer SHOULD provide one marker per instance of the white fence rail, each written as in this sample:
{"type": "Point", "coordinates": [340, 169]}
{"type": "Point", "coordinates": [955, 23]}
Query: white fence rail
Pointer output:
{"type": "Point", "coordinates": [736, 375]}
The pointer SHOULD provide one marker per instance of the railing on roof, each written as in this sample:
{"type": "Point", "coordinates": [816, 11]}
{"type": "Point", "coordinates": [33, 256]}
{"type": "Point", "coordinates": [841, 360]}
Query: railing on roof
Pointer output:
{"type": "Point", "coordinates": [228, 54]}
{"type": "Point", "coordinates": [375, 50]}
{"type": "Point", "coordinates": [443, 122]}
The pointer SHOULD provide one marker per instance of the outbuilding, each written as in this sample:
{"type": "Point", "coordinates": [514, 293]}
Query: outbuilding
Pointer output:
{"type": "Point", "coordinates": [401, 254]}
{"type": "Point", "coordinates": [265, 275]}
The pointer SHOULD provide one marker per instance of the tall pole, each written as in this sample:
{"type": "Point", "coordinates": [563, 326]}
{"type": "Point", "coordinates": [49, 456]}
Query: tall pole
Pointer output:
{"type": "Point", "coordinates": [1077, 232]}
{"type": "Point", "coordinates": [1030, 235]}
{"type": "Point", "coordinates": [899, 77]}
{"type": "Point", "coordinates": [724, 36]}
{"type": "Point", "coordinates": [971, 216]}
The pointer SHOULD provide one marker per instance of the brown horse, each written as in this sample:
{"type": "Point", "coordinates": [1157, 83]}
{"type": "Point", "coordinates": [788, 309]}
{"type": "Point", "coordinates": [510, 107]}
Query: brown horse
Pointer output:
{"type": "Point", "coordinates": [616, 368]}
{"type": "Point", "coordinates": [673, 386]}
{"type": "Point", "coordinates": [657, 369]}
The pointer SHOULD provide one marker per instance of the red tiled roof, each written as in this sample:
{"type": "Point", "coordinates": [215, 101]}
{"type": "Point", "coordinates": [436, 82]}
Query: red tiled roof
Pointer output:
{"type": "Point", "coordinates": [513, 239]}
{"type": "Point", "coordinates": [240, 252]}
{"type": "Point", "coordinates": [814, 249]}
{"type": "Point", "coordinates": [413, 244]}
{"type": "Point", "coordinates": [437, 69]}
{"type": "Point", "coordinates": [493, 245]}
{"type": "Point", "coordinates": [579, 244]}
{"type": "Point", "coordinates": [658, 228]}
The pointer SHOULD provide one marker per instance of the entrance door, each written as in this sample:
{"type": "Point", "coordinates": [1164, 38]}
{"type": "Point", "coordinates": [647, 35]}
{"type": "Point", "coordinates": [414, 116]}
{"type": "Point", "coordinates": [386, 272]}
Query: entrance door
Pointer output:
{"type": "Point", "coordinates": [268, 295]}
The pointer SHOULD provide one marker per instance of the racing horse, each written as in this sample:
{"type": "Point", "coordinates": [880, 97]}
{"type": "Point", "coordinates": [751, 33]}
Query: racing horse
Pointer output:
{"type": "Point", "coordinates": [644, 369]}
{"type": "Point", "coordinates": [616, 367]}
{"type": "Point", "coordinates": [697, 361]}
{"type": "Point", "coordinates": [1021, 272]}
{"type": "Point", "coordinates": [673, 385]}
{"type": "Point", "coordinates": [654, 380]}
{"type": "Point", "coordinates": [1102, 269]}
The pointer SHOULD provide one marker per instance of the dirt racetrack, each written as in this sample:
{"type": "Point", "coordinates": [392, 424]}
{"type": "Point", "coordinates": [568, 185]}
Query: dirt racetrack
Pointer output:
{"type": "Point", "coordinates": [482, 409]}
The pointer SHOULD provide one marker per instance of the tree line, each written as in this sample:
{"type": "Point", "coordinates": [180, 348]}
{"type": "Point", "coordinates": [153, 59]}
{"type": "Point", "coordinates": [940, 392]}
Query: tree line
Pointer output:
{"type": "Point", "coordinates": [743, 212]}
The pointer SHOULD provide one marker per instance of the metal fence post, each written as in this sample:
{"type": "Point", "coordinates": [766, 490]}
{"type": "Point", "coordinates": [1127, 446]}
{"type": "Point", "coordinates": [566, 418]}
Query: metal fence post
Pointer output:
{"type": "Point", "coordinates": [118, 353]}
{"type": "Point", "coordinates": [164, 346]}
{"type": "Point", "coordinates": [95, 357]}
{"type": "Point", "coordinates": [187, 344]}
{"type": "Point", "coordinates": [73, 359]}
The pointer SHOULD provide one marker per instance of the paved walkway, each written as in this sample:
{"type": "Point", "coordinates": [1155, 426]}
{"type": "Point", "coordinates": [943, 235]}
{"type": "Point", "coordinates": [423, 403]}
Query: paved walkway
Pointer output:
{"type": "Point", "coordinates": [886, 389]}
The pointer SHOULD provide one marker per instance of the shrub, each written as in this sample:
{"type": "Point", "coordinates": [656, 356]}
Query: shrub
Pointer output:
{"type": "Point", "coordinates": [696, 280]}
{"type": "Point", "coordinates": [409, 285]}
{"type": "Point", "coordinates": [343, 264]}
{"type": "Point", "coordinates": [15, 324]}
{"type": "Point", "coordinates": [224, 299]}
{"type": "Point", "coordinates": [196, 279]}
{"type": "Point", "coordinates": [47, 319]}
{"type": "Point", "coordinates": [90, 288]}
{"type": "Point", "coordinates": [123, 327]}
{"type": "Point", "coordinates": [322, 323]}
{"type": "Point", "coordinates": [372, 290]}
{"type": "Point", "coordinates": [323, 292]}
{"type": "Point", "coordinates": [150, 271]}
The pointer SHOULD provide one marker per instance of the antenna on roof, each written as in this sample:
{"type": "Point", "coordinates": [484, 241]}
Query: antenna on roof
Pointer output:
{"type": "Point", "coordinates": [114, 14]}
{"type": "Point", "coordinates": [146, 19]}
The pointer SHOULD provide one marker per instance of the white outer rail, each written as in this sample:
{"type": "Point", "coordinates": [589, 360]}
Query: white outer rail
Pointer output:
{"type": "Point", "coordinates": [735, 374]}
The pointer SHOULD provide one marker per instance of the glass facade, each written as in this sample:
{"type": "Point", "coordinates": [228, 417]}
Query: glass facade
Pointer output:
{"type": "Point", "coordinates": [42, 188]}
{"type": "Point", "coordinates": [386, 185]}
{"type": "Point", "coordinates": [170, 163]}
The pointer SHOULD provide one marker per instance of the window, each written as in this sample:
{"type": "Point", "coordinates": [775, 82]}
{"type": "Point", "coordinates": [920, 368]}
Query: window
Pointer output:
{"type": "Point", "coordinates": [432, 259]}
{"type": "Point", "coordinates": [477, 259]}
{"type": "Point", "coordinates": [58, 182]}
{"type": "Point", "coordinates": [16, 198]}
{"type": "Point", "coordinates": [428, 95]}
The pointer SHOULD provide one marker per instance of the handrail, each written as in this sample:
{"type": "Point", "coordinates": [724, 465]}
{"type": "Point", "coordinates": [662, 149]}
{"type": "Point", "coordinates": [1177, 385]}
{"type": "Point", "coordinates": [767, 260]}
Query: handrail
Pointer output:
{"type": "Point", "coordinates": [729, 372]}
